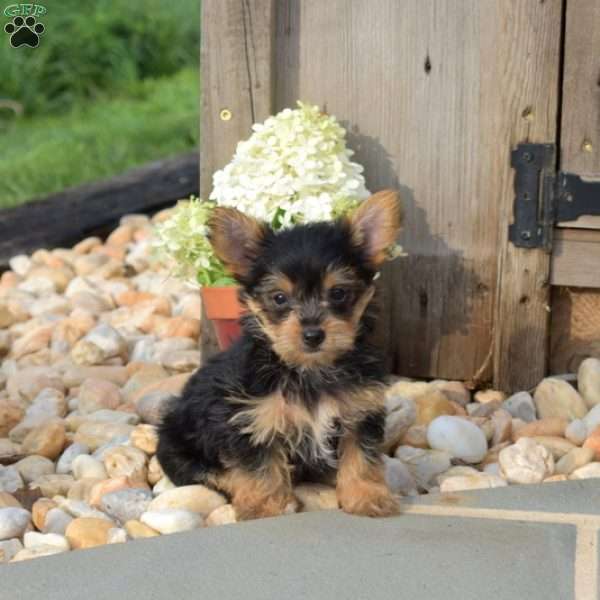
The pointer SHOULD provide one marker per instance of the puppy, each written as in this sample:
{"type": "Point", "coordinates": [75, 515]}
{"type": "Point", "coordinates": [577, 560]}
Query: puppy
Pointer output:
{"type": "Point", "coordinates": [300, 396]}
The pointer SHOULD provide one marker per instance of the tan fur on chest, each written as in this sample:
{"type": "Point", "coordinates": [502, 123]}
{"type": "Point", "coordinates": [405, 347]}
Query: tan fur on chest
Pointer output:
{"type": "Point", "coordinates": [274, 417]}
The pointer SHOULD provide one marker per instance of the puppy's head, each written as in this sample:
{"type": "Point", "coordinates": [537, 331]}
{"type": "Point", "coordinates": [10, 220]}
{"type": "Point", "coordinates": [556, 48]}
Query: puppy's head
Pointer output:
{"type": "Point", "coordinates": [308, 286]}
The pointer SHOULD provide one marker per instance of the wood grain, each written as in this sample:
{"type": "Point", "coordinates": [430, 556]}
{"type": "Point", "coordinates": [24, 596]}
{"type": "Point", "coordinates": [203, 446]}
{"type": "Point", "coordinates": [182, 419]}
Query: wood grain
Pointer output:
{"type": "Point", "coordinates": [236, 59]}
{"type": "Point", "coordinates": [580, 127]}
{"type": "Point", "coordinates": [67, 217]}
{"type": "Point", "coordinates": [576, 258]}
{"type": "Point", "coordinates": [434, 95]}
{"type": "Point", "coordinates": [236, 62]}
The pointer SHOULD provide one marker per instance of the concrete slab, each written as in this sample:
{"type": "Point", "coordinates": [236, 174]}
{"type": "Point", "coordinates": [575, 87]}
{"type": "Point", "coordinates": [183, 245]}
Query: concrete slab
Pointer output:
{"type": "Point", "coordinates": [316, 556]}
{"type": "Point", "coordinates": [576, 497]}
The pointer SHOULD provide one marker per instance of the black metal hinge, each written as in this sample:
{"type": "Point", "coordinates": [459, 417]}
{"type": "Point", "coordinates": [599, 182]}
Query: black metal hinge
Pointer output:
{"type": "Point", "coordinates": [544, 197]}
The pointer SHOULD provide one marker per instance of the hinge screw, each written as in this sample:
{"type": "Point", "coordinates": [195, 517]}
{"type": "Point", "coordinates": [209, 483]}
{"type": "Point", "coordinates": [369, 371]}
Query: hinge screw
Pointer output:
{"type": "Point", "coordinates": [587, 146]}
{"type": "Point", "coordinates": [527, 156]}
{"type": "Point", "coordinates": [569, 197]}
{"type": "Point", "coordinates": [225, 114]}
{"type": "Point", "coordinates": [526, 235]}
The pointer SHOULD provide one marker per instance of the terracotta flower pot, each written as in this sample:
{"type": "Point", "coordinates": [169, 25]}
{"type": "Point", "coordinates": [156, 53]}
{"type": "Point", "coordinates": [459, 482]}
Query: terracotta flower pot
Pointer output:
{"type": "Point", "coordinates": [224, 310]}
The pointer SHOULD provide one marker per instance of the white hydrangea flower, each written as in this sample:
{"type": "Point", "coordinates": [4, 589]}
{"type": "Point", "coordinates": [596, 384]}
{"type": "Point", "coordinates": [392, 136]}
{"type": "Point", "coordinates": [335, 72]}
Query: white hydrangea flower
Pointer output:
{"type": "Point", "coordinates": [294, 168]}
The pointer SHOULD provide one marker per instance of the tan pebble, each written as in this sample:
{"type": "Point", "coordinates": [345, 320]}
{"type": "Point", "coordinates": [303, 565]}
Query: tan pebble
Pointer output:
{"type": "Point", "coordinates": [315, 496]}
{"type": "Point", "coordinates": [132, 297]}
{"type": "Point", "coordinates": [485, 396]}
{"type": "Point", "coordinates": [126, 461]}
{"type": "Point", "coordinates": [75, 376]}
{"type": "Point", "coordinates": [459, 409]}
{"type": "Point", "coordinates": [554, 478]}
{"type": "Point", "coordinates": [589, 471]}
{"type": "Point", "coordinates": [492, 454]}
{"type": "Point", "coordinates": [87, 245]}
{"type": "Point", "coordinates": [223, 515]}
{"type": "Point", "coordinates": [145, 438]}
{"type": "Point", "coordinates": [502, 423]}
{"type": "Point", "coordinates": [173, 385]}
{"type": "Point", "coordinates": [549, 426]}
{"type": "Point", "coordinates": [60, 277]}
{"type": "Point", "coordinates": [8, 500]}
{"type": "Point", "coordinates": [593, 442]}
{"type": "Point", "coordinates": [137, 530]}
{"type": "Point", "coordinates": [432, 404]}
{"type": "Point", "coordinates": [121, 236]}
{"type": "Point", "coordinates": [96, 433]}
{"type": "Point", "coordinates": [578, 457]}
{"type": "Point", "coordinates": [155, 471]}
{"type": "Point", "coordinates": [558, 446]}
{"type": "Point", "coordinates": [81, 488]}
{"type": "Point", "coordinates": [555, 397]}
{"type": "Point", "coordinates": [408, 389]}
{"type": "Point", "coordinates": [416, 436]}
{"type": "Point", "coordinates": [46, 440]}
{"type": "Point", "coordinates": [10, 416]}
{"type": "Point", "coordinates": [165, 327]}
{"type": "Point", "coordinates": [195, 498]}
{"type": "Point", "coordinates": [88, 532]}
{"type": "Point", "coordinates": [33, 341]}
{"type": "Point", "coordinates": [110, 485]}
{"type": "Point", "coordinates": [96, 394]}
{"type": "Point", "coordinates": [53, 484]}
{"type": "Point", "coordinates": [40, 509]}
{"type": "Point", "coordinates": [455, 391]}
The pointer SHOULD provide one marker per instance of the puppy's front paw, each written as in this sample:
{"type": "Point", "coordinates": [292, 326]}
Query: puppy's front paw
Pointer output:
{"type": "Point", "coordinates": [369, 500]}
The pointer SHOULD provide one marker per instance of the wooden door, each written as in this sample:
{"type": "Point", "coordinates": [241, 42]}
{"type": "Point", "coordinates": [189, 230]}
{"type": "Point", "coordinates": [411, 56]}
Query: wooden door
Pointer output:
{"type": "Point", "coordinates": [434, 94]}
{"type": "Point", "coordinates": [576, 252]}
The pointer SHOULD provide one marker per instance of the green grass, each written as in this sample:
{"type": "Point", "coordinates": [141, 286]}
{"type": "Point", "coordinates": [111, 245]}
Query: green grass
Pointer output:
{"type": "Point", "coordinates": [113, 84]}
{"type": "Point", "coordinates": [41, 155]}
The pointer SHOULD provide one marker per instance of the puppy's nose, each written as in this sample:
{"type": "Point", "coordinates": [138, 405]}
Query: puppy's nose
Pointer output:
{"type": "Point", "coordinates": [313, 336]}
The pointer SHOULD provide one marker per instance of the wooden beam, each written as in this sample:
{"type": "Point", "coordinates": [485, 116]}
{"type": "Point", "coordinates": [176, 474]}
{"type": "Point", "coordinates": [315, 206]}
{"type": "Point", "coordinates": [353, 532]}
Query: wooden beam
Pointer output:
{"type": "Point", "coordinates": [237, 77]}
{"type": "Point", "coordinates": [67, 217]}
{"type": "Point", "coordinates": [576, 258]}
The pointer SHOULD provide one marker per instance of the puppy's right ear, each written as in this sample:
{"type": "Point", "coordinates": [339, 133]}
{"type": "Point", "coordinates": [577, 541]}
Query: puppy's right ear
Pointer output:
{"type": "Point", "coordinates": [236, 239]}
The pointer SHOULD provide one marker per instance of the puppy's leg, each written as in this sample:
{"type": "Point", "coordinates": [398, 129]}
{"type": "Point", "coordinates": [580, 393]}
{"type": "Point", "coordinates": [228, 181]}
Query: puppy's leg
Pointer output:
{"type": "Point", "coordinates": [361, 486]}
{"type": "Point", "coordinates": [262, 492]}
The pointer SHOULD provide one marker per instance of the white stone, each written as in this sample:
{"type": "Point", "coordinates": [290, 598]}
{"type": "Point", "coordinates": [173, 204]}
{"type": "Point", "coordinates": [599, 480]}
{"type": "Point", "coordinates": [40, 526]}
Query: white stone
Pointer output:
{"type": "Point", "coordinates": [398, 477]}
{"type": "Point", "coordinates": [459, 437]}
{"type": "Point", "coordinates": [589, 471]}
{"type": "Point", "coordinates": [164, 484]}
{"type": "Point", "coordinates": [526, 462]}
{"type": "Point", "coordinates": [36, 552]}
{"type": "Point", "coordinates": [425, 465]}
{"type": "Point", "coordinates": [34, 538]}
{"type": "Point", "coordinates": [116, 535]}
{"type": "Point", "coordinates": [126, 505]}
{"type": "Point", "coordinates": [477, 481]}
{"type": "Point", "coordinates": [576, 432]}
{"type": "Point", "coordinates": [521, 406]}
{"type": "Point", "coordinates": [588, 381]}
{"type": "Point", "coordinates": [108, 339]}
{"type": "Point", "coordinates": [13, 522]}
{"type": "Point", "coordinates": [557, 398]}
{"type": "Point", "coordinates": [65, 462]}
{"type": "Point", "coordinates": [592, 419]}
{"type": "Point", "coordinates": [79, 508]}
{"type": "Point", "coordinates": [10, 479]}
{"type": "Point", "coordinates": [56, 521]}
{"type": "Point", "coordinates": [113, 416]}
{"type": "Point", "coordinates": [171, 520]}
{"type": "Point", "coordinates": [8, 548]}
{"type": "Point", "coordinates": [33, 467]}
{"type": "Point", "coordinates": [20, 264]}
{"type": "Point", "coordinates": [89, 467]}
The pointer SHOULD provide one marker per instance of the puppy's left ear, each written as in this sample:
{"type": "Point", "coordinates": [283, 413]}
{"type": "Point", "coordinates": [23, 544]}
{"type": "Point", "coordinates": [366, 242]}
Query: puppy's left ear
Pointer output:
{"type": "Point", "coordinates": [375, 225]}
{"type": "Point", "coordinates": [236, 239]}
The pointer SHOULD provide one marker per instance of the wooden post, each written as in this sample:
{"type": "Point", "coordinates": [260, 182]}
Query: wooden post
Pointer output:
{"type": "Point", "coordinates": [237, 77]}
{"type": "Point", "coordinates": [236, 60]}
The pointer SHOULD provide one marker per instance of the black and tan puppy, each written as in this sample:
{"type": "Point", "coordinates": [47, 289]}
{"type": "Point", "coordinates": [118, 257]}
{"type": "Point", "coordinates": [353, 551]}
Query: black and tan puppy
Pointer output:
{"type": "Point", "coordinates": [300, 396]}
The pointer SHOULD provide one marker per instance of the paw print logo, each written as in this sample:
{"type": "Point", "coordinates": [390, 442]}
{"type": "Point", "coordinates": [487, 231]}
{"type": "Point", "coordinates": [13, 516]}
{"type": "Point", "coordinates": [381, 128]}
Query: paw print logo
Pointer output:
{"type": "Point", "coordinates": [24, 32]}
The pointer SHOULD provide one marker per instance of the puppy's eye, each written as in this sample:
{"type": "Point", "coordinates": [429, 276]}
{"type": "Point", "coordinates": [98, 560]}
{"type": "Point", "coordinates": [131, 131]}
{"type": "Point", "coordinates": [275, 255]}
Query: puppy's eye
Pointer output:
{"type": "Point", "coordinates": [280, 298]}
{"type": "Point", "coordinates": [337, 294]}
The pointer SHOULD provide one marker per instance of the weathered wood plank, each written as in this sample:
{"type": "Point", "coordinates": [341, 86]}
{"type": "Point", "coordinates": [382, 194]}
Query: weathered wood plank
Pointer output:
{"type": "Point", "coordinates": [434, 95]}
{"type": "Point", "coordinates": [580, 127]}
{"type": "Point", "coordinates": [65, 218]}
{"type": "Point", "coordinates": [236, 61]}
{"type": "Point", "coordinates": [576, 258]}
{"type": "Point", "coordinates": [523, 301]}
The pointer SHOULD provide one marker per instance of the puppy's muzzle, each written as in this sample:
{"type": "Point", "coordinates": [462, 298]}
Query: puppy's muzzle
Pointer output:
{"type": "Point", "coordinates": [313, 337]}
